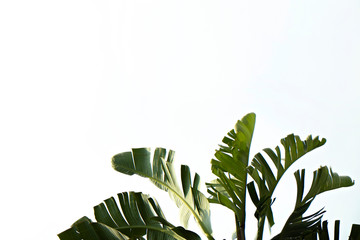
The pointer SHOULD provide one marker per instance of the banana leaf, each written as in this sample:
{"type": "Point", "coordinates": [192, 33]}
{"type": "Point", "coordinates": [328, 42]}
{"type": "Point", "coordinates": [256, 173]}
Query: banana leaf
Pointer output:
{"type": "Point", "coordinates": [230, 164]}
{"type": "Point", "coordinates": [135, 217]}
{"type": "Point", "coordinates": [85, 229]}
{"type": "Point", "coordinates": [324, 180]}
{"type": "Point", "coordinates": [267, 180]}
{"type": "Point", "coordinates": [161, 172]}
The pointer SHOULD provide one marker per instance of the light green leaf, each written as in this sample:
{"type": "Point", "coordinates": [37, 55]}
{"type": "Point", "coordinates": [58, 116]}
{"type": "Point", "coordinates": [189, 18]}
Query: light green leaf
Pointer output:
{"type": "Point", "coordinates": [229, 165]}
{"type": "Point", "coordinates": [161, 172]}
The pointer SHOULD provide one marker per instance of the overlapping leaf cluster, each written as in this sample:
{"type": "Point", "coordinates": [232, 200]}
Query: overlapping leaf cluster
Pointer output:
{"type": "Point", "coordinates": [162, 173]}
{"type": "Point", "coordinates": [267, 180]}
{"type": "Point", "coordinates": [138, 216]}
{"type": "Point", "coordinates": [230, 166]}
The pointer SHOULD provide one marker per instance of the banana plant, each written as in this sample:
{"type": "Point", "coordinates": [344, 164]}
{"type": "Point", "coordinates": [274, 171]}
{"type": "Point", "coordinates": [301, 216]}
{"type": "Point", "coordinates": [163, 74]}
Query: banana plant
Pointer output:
{"type": "Point", "coordinates": [161, 172]}
{"type": "Point", "coordinates": [137, 215]}
{"type": "Point", "coordinates": [231, 166]}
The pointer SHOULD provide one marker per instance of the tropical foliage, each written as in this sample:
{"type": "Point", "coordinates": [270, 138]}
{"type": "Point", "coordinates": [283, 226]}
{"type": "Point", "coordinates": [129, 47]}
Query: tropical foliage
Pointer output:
{"type": "Point", "coordinates": [161, 172]}
{"type": "Point", "coordinates": [139, 216]}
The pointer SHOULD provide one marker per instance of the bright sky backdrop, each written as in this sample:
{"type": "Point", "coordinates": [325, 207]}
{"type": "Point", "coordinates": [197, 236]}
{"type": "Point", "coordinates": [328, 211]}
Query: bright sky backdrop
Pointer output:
{"type": "Point", "coordinates": [84, 80]}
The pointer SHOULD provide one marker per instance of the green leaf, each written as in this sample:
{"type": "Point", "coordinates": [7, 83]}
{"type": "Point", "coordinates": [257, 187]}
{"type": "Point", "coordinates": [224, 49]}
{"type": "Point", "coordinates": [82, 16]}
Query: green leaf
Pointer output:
{"type": "Point", "coordinates": [160, 170]}
{"type": "Point", "coordinates": [323, 180]}
{"type": "Point", "coordinates": [355, 232]}
{"type": "Point", "coordinates": [263, 174]}
{"type": "Point", "coordinates": [85, 229]}
{"type": "Point", "coordinates": [135, 217]}
{"type": "Point", "coordinates": [107, 233]}
{"type": "Point", "coordinates": [229, 165]}
{"type": "Point", "coordinates": [70, 234]}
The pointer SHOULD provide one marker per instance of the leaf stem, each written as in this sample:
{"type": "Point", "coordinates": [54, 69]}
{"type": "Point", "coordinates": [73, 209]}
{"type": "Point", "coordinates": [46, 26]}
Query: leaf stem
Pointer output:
{"type": "Point", "coordinates": [240, 230]}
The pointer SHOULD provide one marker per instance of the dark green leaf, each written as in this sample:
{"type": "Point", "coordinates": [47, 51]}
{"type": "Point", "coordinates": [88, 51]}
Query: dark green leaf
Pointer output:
{"type": "Point", "coordinates": [323, 180]}
{"type": "Point", "coordinates": [294, 148]}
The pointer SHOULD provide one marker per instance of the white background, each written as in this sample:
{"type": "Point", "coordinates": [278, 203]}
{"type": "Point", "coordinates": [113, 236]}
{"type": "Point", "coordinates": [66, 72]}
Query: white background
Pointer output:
{"type": "Point", "coordinates": [84, 80]}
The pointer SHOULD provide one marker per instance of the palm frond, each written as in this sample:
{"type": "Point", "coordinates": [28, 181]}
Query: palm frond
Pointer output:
{"type": "Point", "coordinates": [161, 172]}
